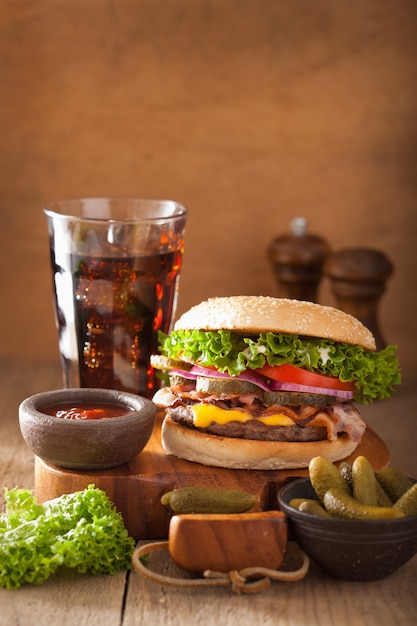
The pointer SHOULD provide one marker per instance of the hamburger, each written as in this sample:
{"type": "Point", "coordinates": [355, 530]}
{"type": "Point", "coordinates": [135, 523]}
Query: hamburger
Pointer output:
{"type": "Point", "coordinates": [257, 382]}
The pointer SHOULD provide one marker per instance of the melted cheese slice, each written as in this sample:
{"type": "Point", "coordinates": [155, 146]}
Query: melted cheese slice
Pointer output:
{"type": "Point", "coordinates": [206, 414]}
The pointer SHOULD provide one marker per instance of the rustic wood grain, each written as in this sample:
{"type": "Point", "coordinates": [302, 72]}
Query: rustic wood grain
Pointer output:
{"type": "Point", "coordinates": [224, 543]}
{"type": "Point", "coordinates": [128, 600]}
{"type": "Point", "coordinates": [152, 473]}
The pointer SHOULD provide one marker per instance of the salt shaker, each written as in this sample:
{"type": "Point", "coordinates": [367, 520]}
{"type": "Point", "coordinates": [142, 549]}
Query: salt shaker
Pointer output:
{"type": "Point", "coordinates": [297, 260]}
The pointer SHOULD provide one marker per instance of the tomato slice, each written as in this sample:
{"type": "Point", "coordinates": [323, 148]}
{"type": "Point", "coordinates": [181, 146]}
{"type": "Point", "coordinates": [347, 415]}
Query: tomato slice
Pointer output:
{"type": "Point", "coordinates": [288, 373]}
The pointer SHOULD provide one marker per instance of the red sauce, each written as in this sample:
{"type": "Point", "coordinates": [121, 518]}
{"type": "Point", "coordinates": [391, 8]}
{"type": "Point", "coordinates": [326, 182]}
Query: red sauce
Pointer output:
{"type": "Point", "coordinates": [87, 411]}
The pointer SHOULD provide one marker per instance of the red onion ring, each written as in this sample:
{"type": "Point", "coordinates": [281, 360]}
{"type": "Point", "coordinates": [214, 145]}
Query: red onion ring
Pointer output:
{"type": "Point", "coordinates": [276, 385]}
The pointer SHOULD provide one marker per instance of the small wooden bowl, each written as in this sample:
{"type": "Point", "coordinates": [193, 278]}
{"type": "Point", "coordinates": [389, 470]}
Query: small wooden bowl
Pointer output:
{"type": "Point", "coordinates": [90, 444]}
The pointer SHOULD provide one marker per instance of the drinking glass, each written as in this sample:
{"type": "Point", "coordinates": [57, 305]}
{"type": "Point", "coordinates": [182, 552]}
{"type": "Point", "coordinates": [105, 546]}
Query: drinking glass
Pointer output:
{"type": "Point", "coordinates": [115, 270]}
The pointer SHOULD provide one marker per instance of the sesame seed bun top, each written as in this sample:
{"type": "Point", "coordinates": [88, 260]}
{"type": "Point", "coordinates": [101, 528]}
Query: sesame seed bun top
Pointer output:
{"type": "Point", "coordinates": [255, 314]}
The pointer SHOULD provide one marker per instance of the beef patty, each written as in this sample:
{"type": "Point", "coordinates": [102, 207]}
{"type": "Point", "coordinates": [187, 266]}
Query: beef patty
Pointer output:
{"type": "Point", "coordinates": [252, 429]}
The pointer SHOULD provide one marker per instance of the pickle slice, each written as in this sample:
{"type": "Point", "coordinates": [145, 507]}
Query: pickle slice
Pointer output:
{"type": "Point", "coordinates": [294, 398]}
{"type": "Point", "coordinates": [225, 385]}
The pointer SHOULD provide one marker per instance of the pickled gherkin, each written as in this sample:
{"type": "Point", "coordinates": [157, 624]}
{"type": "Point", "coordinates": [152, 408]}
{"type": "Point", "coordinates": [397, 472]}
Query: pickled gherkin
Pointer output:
{"type": "Point", "coordinates": [341, 504]}
{"type": "Point", "coordinates": [364, 482]}
{"type": "Point", "coordinates": [205, 500]}
{"type": "Point", "coordinates": [382, 496]}
{"type": "Point", "coordinates": [355, 491]}
{"type": "Point", "coordinates": [324, 475]}
{"type": "Point", "coordinates": [345, 470]}
{"type": "Point", "coordinates": [394, 482]}
{"type": "Point", "coordinates": [314, 507]}
{"type": "Point", "coordinates": [308, 505]}
{"type": "Point", "coordinates": [407, 503]}
{"type": "Point", "coordinates": [295, 502]}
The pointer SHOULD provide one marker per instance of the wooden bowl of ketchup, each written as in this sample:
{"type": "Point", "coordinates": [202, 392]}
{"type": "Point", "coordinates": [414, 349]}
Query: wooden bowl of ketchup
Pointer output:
{"type": "Point", "coordinates": [86, 429]}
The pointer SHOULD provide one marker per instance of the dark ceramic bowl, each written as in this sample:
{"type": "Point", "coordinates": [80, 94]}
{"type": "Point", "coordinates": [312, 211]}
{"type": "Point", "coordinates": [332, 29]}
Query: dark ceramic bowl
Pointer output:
{"type": "Point", "coordinates": [86, 444]}
{"type": "Point", "coordinates": [349, 549]}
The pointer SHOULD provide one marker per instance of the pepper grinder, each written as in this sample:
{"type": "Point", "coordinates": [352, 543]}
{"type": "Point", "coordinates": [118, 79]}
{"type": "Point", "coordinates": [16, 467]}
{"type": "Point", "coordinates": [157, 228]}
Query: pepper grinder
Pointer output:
{"type": "Point", "coordinates": [358, 279]}
{"type": "Point", "coordinates": [297, 260]}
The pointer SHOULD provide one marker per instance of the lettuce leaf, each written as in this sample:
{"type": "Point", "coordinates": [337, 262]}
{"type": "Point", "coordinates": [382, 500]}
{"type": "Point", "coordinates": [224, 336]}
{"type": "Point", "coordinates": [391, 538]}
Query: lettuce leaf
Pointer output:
{"type": "Point", "coordinates": [374, 373]}
{"type": "Point", "coordinates": [82, 531]}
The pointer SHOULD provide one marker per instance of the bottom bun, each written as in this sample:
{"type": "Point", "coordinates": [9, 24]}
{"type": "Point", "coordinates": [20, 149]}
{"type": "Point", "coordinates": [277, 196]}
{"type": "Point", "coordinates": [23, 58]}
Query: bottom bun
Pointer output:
{"type": "Point", "coordinates": [217, 451]}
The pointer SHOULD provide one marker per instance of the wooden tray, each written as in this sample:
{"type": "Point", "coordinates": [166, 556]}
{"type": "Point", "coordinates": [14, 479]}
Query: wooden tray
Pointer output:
{"type": "Point", "coordinates": [136, 488]}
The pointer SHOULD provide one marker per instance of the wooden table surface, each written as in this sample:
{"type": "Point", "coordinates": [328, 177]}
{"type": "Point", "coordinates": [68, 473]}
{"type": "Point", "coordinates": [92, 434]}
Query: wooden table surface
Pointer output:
{"type": "Point", "coordinates": [128, 599]}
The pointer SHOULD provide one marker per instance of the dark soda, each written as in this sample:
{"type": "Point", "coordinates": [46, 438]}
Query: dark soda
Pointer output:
{"type": "Point", "coordinates": [111, 328]}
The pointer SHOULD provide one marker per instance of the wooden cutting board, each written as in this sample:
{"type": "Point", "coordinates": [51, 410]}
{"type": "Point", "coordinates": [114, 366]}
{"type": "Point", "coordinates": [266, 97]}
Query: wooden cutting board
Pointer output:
{"type": "Point", "coordinates": [136, 488]}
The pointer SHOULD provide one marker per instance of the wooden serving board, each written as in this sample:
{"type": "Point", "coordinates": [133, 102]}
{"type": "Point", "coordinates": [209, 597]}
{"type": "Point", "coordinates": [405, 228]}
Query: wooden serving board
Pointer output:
{"type": "Point", "coordinates": [136, 488]}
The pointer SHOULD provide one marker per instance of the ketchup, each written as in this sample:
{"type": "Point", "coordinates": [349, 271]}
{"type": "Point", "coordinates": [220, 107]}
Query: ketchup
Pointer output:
{"type": "Point", "coordinates": [87, 411]}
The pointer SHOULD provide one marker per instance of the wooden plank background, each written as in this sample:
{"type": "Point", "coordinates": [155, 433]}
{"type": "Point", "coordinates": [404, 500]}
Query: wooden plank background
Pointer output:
{"type": "Point", "coordinates": [249, 113]}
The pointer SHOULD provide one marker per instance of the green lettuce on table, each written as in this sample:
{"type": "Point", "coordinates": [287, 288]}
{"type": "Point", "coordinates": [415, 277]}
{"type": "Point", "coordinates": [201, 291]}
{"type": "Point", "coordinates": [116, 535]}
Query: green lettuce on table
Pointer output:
{"type": "Point", "coordinates": [82, 531]}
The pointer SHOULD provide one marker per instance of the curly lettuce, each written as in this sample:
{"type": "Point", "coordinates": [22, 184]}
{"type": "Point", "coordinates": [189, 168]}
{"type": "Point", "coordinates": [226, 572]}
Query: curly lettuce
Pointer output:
{"type": "Point", "coordinates": [374, 373]}
{"type": "Point", "coordinates": [81, 530]}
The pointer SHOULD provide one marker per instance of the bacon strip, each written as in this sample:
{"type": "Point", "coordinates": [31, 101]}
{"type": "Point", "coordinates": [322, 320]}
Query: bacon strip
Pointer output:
{"type": "Point", "coordinates": [336, 418]}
